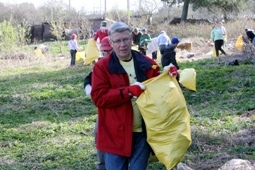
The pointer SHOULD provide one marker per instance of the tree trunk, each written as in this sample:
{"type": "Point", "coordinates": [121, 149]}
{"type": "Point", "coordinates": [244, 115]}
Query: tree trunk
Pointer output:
{"type": "Point", "coordinates": [185, 10]}
{"type": "Point", "coordinates": [149, 19]}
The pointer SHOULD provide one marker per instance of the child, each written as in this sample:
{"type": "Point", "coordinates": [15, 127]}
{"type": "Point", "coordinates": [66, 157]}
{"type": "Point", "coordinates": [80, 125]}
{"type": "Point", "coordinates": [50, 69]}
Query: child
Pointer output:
{"type": "Point", "coordinates": [73, 47]}
{"type": "Point", "coordinates": [169, 53]}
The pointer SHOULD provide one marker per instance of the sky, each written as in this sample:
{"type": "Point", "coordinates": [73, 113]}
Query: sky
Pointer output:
{"type": "Point", "coordinates": [88, 5]}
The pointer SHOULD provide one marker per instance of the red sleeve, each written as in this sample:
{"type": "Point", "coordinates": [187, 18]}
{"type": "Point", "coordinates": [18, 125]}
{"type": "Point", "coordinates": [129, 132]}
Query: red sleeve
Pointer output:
{"type": "Point", "coordinates": [107, 91]}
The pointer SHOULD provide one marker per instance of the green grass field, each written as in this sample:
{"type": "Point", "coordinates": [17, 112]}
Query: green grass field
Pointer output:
{"type": "Point", "coordinates": [47, 122]}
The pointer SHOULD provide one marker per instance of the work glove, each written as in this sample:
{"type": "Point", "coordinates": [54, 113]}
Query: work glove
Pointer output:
{"type": "Point", "coordinates": [172, 70]}
{"type": "Point", "coordinates": [87, 90]}
{"type": "Point", "coordinates": [136, 89]}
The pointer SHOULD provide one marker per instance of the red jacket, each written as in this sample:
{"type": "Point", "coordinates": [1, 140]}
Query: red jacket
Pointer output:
{"type": "Point", "coordinates": [110, 95]}
{"type": "Point", "coordinates": [101, 35]}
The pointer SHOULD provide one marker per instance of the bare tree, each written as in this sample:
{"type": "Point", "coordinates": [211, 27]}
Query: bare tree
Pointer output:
{"type": "Point", "coordinates": [149, 8]}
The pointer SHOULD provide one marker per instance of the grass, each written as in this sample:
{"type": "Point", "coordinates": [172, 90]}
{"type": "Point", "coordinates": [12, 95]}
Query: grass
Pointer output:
{"type": "Point", "coordinates": [47, 122]}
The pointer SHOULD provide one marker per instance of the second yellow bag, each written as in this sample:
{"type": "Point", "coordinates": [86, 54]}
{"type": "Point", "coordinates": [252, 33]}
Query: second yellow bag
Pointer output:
{"type": "Point", "coordinates": [92, 52]}
{"type": "Point", "coordinates": [163, 108]}
{"type": "Point", "coordinates": [239, 43]}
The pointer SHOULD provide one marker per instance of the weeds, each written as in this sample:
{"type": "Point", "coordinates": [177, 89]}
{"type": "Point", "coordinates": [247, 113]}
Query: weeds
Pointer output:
{"type": "Point", "coordinates": [47, 122]}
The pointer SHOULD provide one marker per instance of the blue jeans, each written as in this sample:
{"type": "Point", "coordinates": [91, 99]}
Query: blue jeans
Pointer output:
{"type": "Point", "coordinates": [138, 159]}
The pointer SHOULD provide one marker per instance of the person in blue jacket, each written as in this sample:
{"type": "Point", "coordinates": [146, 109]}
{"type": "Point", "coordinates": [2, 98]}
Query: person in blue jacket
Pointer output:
{"type": "Point", "coordinates": [169, 55]}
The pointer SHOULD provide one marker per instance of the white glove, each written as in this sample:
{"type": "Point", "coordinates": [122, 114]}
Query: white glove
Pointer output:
{"type": "Point", "coordinates": [136, 89]}
{"type": "Point", "coordinates": [142, 86]}
{"type": "Point", "coordinates": [87, 90]}
{"type": "Point", "coordinates": [172, 70]}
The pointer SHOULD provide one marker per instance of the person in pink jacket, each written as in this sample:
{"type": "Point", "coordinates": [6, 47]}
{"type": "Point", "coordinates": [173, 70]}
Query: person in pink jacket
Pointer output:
{"type": "Point", "coordinates": [116, 83]}
{"type": "Point", "coordinates": [101, 32]}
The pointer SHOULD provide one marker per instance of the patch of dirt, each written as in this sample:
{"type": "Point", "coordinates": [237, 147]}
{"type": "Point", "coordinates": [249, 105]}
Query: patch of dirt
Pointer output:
{"type": "Point", "coordinates": [216, 155]}
{"type": "Point", "coordinates": [202, 49]}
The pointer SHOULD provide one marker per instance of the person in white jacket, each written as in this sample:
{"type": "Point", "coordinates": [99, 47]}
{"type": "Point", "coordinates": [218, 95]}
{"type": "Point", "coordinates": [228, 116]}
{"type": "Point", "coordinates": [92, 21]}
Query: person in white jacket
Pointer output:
{"type": "Point", "coordinates": [152, 48]}
{"type": "Point", "coordinates": [73, 47]}
{"type": "Point", "coordinates": [163, 41]}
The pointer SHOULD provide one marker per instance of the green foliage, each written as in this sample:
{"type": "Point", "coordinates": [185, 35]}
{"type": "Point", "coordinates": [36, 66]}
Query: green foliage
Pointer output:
{"type": "Point", "coordinates": [225, 6]}
{"type": "Point", "coordinates": [47, 122]}
{"type": "Point", "coordinates": [9, 37]}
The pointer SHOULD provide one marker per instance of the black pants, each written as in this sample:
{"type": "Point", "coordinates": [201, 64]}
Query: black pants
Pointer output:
{"type": "Point", "coordinates": [73, 57]}
{"type": "Point", "coordinates": [218, 44]}
{"type": "Point", "coordinates": [154, 55]}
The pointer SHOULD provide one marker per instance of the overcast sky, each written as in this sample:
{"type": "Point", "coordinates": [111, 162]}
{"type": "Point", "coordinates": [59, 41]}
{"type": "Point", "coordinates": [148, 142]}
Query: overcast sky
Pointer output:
{"type": "Point", "coordinates": [88, 5]}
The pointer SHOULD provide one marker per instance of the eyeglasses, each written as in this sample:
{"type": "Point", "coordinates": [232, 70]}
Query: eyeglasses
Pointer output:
{"type": "Point", "coordinates": [124, 40]}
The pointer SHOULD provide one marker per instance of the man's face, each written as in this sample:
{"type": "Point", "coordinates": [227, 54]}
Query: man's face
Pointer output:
{"type": "Point", "coordinates": [121, 44]}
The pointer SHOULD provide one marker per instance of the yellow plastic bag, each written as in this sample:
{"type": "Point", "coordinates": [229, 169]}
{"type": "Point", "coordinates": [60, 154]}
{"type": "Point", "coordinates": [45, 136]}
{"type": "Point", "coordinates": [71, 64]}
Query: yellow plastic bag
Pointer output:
{"type": "Point", "coordinates": [135, 47]}
{"type": "Point", "coordinates": [167, 119]}
{"type": "Point", "coordinates": [214, 52]}
{"type": "Point", "coordinates": [38, 52]}
{"type": "Point", "coordinates": [239, 43]}
{"type": "Point", "coordinates": [225, 38]}
{"type": "Point", "coordinates": [80, 57]}
{"type": "Point", "coordinates": [92, 52]}
{"type": "Point", "coordinates": [188, 78]}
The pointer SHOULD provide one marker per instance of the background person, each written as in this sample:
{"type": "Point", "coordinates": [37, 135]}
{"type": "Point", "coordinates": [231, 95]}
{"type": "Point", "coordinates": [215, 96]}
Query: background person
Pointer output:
{"type": "Point", "coordinates": [116, 85]}
{"type": "Point", "coordinates": [144, 40]}
{"type": "Point", "coordinates": [223, 31]}
{"type": "Point", "coordinates": [250, 35]}
{"type": "Point", "coordinates": [169, 55]}
{"type": "Point", "coordinates": [101, 32]}
{"type": "Point", "coordinates": [105, 49]}
{"type": "Point", "coordinates": [217, 38]}
{"type": "Point", "coordinates": [73, 47]}
{"type": "Point", "coordinates": [152, 48]}
{"type": "Point", "coordinates": [136, 36]}
{"type": "Point", "coordinates": [163, 41]}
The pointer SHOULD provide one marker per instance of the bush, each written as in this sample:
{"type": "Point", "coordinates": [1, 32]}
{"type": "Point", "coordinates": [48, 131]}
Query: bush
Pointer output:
{"type": "Point", "coordinates": [9, 37]}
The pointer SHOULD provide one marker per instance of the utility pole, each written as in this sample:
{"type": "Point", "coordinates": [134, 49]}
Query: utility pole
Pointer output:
{"type": "Point", "coordinates": [128, 11]}
{"type": "Point", "coordinates": [69, 5]}
{"type": "Point", "coordinates": [140, 7]}
{"type": "Point", "coordinates": [100, 8]}
{"type": "Point", "coordinates": [104, 9]}
{"type": "Point", "coordinates": [128, 5]}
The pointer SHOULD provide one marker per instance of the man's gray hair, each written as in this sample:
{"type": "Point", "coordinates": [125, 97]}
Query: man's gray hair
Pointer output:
{"type": "Point", "coordinates": [118, 27]}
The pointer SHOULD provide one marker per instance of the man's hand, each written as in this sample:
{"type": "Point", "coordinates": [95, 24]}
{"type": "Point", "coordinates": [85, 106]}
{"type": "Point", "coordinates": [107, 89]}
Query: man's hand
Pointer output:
{"type": "Point", "coordinates": [172, 70]}
{"type": "Point", "coordinates": [136, 89]}
{"type": "Point", "coordinates": [87, 90]}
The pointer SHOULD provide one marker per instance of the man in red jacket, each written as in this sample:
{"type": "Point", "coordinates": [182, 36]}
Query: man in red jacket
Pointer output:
{"type": "Point", "coordinates": [116, 85]}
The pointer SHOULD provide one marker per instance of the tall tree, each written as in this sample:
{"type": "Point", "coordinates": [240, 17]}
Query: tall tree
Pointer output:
{"type": "Point", "coordinates": [185, 10]}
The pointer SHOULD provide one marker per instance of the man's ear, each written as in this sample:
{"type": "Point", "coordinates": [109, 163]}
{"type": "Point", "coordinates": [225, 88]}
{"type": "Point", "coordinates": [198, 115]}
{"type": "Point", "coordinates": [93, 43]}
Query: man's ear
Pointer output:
{"type": "Point", "coordinates": [111, 43]}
